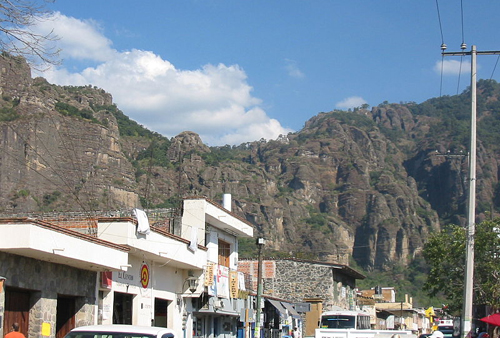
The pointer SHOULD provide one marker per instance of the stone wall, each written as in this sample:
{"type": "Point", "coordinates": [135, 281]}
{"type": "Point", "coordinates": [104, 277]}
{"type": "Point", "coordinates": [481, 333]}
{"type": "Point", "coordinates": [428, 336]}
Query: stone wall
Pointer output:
{"type": "Point", "coordinates": [296, 281]}
{"type": "Point", "coordinates": [46, 281]}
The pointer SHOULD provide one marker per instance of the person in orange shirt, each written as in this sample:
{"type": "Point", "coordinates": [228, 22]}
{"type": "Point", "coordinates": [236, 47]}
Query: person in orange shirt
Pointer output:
{"type": "Point", "coordinates": [14, 332]}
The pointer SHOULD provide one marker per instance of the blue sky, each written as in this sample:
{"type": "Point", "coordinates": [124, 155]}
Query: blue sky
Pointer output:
{"type": "Point", "coordinates": [238, 71]}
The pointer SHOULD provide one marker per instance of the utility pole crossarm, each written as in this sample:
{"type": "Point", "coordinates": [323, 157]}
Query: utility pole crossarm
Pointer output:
{"type": "Point", "coordinates": [469, 53]}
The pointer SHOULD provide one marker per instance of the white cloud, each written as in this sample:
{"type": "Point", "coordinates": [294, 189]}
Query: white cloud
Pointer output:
{"type": "Point", "coordinates": [351, 102]}
{"type": "Point", "coordinates": [214, 101]}
{"type": "Point", "coordinates": [293, 69]}
{"type": "Point", "coordinates": [80, 40]}
{"type": "Point", "coordinates": [452, 67]}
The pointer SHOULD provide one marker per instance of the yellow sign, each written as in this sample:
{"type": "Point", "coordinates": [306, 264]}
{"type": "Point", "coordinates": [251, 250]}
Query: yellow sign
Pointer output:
{"type": "Point", "coordinates": [144, 275]}
{"type": "Point", "coordinates": [233, 284]}
{"type": "Point", "coordinates": [209, 274]}
{"type": "Point", "coordinates": [46, 329]}
{"type": "Point", "coordinates": [429, 312]}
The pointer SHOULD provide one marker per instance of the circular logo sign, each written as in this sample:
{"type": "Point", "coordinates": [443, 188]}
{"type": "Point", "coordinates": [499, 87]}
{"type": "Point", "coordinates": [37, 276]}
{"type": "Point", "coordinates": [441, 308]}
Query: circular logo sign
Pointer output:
{"type": "Point", "coordinates": [144, 275]}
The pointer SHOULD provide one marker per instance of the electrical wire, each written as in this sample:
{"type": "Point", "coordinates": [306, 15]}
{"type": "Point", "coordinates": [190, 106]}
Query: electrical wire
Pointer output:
{"type": "Point", "coordinates": [441, 81]}
{"type": "Point", "coordinates": [443, 46]}
{"type": "Point", "coordinates": [462, 14]}
{"type": "Point", "coordinates": [439, 19]}
{"type": "Point", "coordinates": [459, 73]}
{"type": "Point", "coordinates": [462, 46]}
{"type": "Point", "coordinates": [494, 68]}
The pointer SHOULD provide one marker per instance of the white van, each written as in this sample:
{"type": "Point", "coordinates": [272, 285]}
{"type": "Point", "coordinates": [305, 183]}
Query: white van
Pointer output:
{"type": "Point", "coordinates": [121, 331]}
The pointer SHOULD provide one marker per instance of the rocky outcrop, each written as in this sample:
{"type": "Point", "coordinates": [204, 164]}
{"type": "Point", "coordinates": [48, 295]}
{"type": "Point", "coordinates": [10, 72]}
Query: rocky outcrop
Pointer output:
{"type": "Point", "coordinates": [50, 161]}
{"type": "Point", "coordinates": [366, 184]}
{"type": "Point", "coordinates": [331, 191]}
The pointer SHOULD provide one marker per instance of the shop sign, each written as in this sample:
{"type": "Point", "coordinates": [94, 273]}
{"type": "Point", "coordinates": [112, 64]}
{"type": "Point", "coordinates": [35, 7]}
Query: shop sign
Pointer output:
{"type": "Point", "coordinates": [233, 284]}
{"type": "Point", "coordinates": [106, 279]}
{"type": "Point", "coordinates": [211, 278]}
{"type": "Point", "coordinates": [144, 275]}
{"type": "Point", "coordinates": [223, 281]}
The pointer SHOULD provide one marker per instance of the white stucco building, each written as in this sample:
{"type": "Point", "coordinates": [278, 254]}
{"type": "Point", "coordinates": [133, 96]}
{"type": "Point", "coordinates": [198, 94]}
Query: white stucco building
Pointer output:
{"type": "Point", "coordinates": [178, 272]}
{"type": "Point", "coordinates": [220, 308]}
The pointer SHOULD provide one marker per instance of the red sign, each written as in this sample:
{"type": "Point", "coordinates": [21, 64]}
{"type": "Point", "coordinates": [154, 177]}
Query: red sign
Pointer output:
{"type": "Point", "coordinates": [106, 279]}
{"type": "Point", "coordinates": [144, 275]}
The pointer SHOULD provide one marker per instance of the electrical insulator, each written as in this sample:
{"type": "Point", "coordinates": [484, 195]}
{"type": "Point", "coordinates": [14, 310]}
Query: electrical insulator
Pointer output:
{"type": "Point", "coordinates": [443, 47]}
{"type": "Point", "coordinates": [463, 46]}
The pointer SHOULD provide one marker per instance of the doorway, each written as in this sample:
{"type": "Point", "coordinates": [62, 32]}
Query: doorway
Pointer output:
{"type": "Point", "coordinates": [65, 315]}
{"type": "Point", "coordinates": [122, 308]}
{"type": "Point", "coordinates": [161, 312]}
{"type": "Point", "coordinates": [17, 309]}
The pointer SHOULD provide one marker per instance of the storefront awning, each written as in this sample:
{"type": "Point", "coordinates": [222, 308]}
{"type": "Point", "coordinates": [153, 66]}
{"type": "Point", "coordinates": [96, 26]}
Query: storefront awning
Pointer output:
{"type": "Point", "coordinates": [278, 306]}
{"type": "Point", "coordinates": [290, 309]}
{"type": "Point", "coordinates": [216, 313]}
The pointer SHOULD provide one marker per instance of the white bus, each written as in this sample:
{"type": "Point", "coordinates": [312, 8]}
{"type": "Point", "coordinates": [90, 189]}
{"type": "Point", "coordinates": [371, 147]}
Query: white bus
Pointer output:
{"type": "Point", "coordinates": [345, 320]}
{"type": "Point", "coordinates": [353, 324]}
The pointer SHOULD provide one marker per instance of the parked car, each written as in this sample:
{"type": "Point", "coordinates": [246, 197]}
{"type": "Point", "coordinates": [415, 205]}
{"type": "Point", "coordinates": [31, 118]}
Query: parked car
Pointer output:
{"type": "Point", "coordinates": [448, 331]}
{"type": "Point", "coordinates": [121, 331]}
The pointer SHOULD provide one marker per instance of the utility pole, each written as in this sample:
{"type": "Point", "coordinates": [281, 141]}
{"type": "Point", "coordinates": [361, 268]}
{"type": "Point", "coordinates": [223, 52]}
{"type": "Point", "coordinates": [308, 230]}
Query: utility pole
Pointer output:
{"type": "Point", "coordinates": [260, 243]}
{"type": "Point", "coordinates": [402, 321]}
{"type": "Point", "coordinates": [466, 318]}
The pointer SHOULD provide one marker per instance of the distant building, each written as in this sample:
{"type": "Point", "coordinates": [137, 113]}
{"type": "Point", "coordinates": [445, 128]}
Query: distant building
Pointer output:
{"type": "Point", "coordinates": [380, 294]}
{"type": "Point", "coordinates": [389, 314]}
{"type": "Point", "coordinates": [320, 286]}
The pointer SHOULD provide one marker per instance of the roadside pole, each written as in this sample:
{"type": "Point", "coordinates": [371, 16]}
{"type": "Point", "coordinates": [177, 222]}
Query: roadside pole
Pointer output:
{"type": "Point", "coordinates": [260, 243]}
{"type": "Point", "coordinates": [466, 318]}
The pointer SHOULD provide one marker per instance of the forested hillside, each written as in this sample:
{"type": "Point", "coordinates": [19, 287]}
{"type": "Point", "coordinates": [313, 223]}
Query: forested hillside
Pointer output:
{"type": "Point", "coordinates": [364, 187]}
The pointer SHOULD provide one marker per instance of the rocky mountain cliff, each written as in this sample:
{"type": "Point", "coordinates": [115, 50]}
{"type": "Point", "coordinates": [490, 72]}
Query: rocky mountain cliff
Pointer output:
{"type": "Point", "coordinates": [368, 184]}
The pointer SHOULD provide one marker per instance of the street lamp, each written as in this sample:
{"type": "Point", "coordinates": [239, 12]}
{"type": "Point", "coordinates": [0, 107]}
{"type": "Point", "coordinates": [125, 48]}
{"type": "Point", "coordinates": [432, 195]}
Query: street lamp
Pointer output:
{"type": "Point", "coordinates": [192, 282]}
{"type": "Point", "coordinates": [260, 242]}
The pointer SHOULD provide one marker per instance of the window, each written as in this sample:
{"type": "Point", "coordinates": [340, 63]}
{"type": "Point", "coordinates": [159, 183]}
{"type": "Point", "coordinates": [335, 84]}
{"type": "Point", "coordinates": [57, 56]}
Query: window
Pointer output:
{"type": "Point", "coordinates": [338, 322]}
{"type": "Point", "coordinates": [224, 253]}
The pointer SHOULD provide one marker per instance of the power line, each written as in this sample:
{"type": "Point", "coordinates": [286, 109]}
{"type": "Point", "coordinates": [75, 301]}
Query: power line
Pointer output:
{"type": "Point", "coordinates": [443, 47]}
{"type": "Point", "coordinates": [462, 14]}
{"type": "Point", "coordinates": [494, 68]}
{"type": "Point", "coordinates": [441, 81]}
{"type": "Point", "coordinates": [440, 25]}
{"type": "Point", "coordinates": [463, 45]}
{"type": "Point", "coordinates": [459, 73]}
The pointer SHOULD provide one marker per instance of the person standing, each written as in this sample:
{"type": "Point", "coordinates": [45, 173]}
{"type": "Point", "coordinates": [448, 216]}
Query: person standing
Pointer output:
{"type": "Point", "coordinates": [14, 332]}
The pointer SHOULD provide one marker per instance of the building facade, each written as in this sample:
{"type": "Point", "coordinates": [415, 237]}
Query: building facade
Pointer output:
{"type": "Point", "coordinates": [318, 286]}
{"type": "Point", "coordinates": [50, 276]}
{"type": "Point", "coordinates": [225, 306]}
{"type": "Point", "coordinates": [179, 272]}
